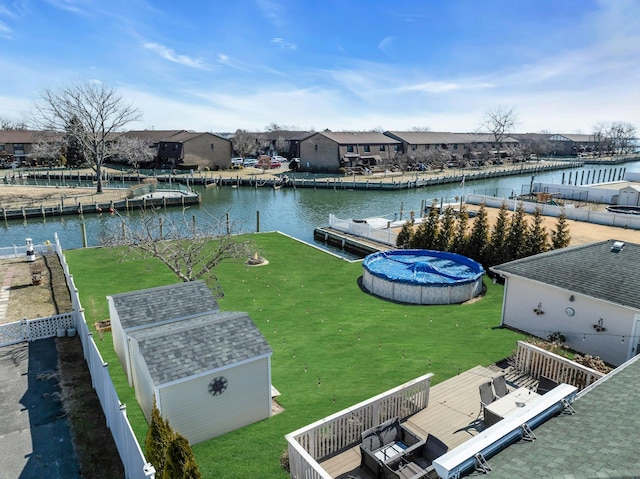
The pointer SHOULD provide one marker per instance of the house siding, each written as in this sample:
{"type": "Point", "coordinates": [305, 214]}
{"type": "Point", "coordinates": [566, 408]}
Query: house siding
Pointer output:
{"type": "Point", "coordinates": [119, 339]}
{"type": "Point", "coordinates": [319, 154]}
{"type": "Point", "coordinates": [141, 381]}
{"type": "Point", "coordinates": [522, 296]}
{"type": "Point", "coordinates": [199, 416]}
{"type": "Point", "coordinates": [198, 152]}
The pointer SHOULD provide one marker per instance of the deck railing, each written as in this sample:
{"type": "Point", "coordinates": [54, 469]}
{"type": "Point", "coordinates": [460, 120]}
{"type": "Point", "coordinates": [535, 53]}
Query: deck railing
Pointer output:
{"type": "Point", "coordinates": [537, 362]}
{"type": "Point", "coordinates": [341, 430]}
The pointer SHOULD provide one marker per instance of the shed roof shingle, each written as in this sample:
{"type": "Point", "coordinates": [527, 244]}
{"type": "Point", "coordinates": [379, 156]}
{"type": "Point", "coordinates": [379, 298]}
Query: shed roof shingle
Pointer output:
{"type": "Point", "coordinates": [591, 269]}
{"type": "Point", "coordinates": [164, 303]}
{"type": "Point", "coordinates": [204, 343]}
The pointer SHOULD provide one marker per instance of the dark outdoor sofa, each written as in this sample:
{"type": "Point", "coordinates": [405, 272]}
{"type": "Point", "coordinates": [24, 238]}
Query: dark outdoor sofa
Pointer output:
{"type": "Point", "coordinates": [417, 463]}
{"type": "Point", "coordinates": [374, 448]}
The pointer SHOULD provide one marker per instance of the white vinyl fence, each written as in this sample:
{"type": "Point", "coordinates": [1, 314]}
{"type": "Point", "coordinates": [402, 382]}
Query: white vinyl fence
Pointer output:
{"type": "Point", "coordinates": [605, 218]}
{"type": "Point", "coordinates": [133, 460]}
{"type": "Point", "coordinates": [363, 230]}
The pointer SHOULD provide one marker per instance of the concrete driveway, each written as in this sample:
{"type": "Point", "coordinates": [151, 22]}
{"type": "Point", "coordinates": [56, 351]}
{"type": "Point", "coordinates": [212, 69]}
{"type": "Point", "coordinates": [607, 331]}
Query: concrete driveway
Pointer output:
{"type": "Point", "coordinates": [35, 437]}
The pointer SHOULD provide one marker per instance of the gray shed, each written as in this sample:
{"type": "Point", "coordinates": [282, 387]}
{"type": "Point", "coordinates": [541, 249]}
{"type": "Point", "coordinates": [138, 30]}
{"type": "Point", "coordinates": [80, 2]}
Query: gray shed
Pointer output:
{"type": "Point", "coordinates": [141, 309]}
{"type": "Point", "coordinates": [210, 374]}
{"type": "Point", "coordinates": [629, 196]}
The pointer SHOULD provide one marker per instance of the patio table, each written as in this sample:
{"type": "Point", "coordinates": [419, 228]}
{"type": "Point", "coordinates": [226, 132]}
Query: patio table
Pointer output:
{"type": "Point", "coordinates": [504, 406]}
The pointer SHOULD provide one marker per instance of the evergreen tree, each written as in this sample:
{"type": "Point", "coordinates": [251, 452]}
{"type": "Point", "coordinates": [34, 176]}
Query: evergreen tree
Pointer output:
{"type": "Point", "coordinates": [405, 236]}
{"type": "Point", "coordinates": [159, 436]}
{"type": "Point", "coordinates": [180, 462]}
{"type": "Point", "coordinates": [460, 241]}
{"type": "Point", "coordinates": [497, 242]}
{"type": "Point", "coordinates": [426, 232]}
{"type": "Point", "coordinates": [432, 227]}
{"type": "Point", "coordinates": [517, 234]}
{"type": "Point", "coordinates": [560, 237]}
{"type": "Point", "coordinates": [479, 237]}
{"type": "Point", "coordinates": [446, 232]}
{"type": "Point", "coordinates": [537, 240]}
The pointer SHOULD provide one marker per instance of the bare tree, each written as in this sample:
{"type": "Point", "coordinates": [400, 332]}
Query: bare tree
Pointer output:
{"type": "Point", "coordinates": [8, 124]}
{"type": "Point", "coordinates": [499, 123]}
{"type": "Point", "coordinates": [600, 137]}
{"type": "Point", "coordinates": [189, 250]}
{"type": "Point", "coordinates": [622, 135]}
{"type": "Point", "coordinates": [48, 148]}
{"type": "Point", "coordinates": [246, 143]}
{"type": "Point", "coordinates": [132, 150]}
{"type": "Point", "coordinates": [89, 114]}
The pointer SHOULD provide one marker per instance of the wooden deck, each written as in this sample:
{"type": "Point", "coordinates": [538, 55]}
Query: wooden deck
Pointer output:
{"type": "Point", "coordinates": [452, 416]}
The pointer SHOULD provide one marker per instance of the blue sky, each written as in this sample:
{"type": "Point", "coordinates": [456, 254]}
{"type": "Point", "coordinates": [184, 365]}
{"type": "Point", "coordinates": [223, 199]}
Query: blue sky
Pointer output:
{"type": "Point", "coordinates": [564, 65]}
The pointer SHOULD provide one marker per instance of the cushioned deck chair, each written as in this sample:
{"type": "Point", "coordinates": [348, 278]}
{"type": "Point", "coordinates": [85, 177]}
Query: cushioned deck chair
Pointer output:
{"type": "Point", "coordinates": [500, 386]}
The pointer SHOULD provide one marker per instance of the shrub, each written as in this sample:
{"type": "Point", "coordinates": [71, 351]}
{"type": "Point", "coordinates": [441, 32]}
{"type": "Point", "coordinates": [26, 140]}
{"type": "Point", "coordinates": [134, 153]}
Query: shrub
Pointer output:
{"type": "Point", "coordinates": [284, 461]}
{"type": "Point", "coordinates": [159, 436]}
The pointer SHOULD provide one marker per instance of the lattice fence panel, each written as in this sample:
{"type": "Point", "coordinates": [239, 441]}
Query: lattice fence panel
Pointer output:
{"type": "Point", "coordinates": [12, 333]}
{"type": "Point", "coordinates": [42, 328]}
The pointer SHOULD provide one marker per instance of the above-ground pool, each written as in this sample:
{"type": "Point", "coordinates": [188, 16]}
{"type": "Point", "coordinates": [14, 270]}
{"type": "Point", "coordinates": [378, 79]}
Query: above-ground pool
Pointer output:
{"type": "Point", "coordinates": [421, 276]}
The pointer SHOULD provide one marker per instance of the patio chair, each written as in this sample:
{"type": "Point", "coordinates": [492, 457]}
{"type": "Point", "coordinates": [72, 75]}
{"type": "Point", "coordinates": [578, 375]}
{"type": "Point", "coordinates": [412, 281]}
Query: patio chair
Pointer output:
{"type": "Point", "coordinates": [486, 396]}
{"type": "Point", "coordinates": [545, 385]}
{"type": "Point", "coordinates": [500, 386]}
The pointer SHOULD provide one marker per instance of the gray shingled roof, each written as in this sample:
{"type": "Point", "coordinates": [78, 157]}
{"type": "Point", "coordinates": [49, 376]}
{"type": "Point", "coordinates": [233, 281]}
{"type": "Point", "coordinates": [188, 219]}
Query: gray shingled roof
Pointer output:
{"type": "Point", "coordinates": [180, 350]}
{"type": "Point", "coordinates": [359, 138]}
{"type": "Point", "coordinates": [600, 441]}
{"type": "Point", "coordinates": [165, 303]}
{"type": "Point", "coordinates": [591, 269]}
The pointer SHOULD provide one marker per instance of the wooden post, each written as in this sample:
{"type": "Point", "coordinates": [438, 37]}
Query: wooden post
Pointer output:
{"type": "Point", "coordinates": [228, 229]}
{"type": "Point", "coordinates": [84, 234]}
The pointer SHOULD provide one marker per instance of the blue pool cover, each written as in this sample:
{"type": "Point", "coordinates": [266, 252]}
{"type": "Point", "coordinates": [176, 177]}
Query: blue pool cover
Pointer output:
{"type": "Point", "coordinates": [423, 267]}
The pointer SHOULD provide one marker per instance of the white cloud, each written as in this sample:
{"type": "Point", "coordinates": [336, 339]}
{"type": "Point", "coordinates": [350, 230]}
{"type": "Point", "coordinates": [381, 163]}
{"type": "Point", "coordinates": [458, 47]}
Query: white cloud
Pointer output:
{"type": "Point", "coordinates": [5, 31]}
{"type": "Point", "coordinates": [446, 86]}
{"type": "Point", "coordinates": [172, 56]}
{"type": "Point", "coordinates": [283, 44]}
{"type": "Point", "coordinates": [73, 6]}
{"type": "Point", "coordinates": [272, 10]}
{"type": "Point", "coordinates": [385, 44]}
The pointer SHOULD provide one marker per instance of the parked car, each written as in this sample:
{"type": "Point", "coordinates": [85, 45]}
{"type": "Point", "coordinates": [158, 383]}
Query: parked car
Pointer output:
{"type": "Point", "coordinates": [237, 163]}
{"type": "Point", "coordinates": [250, 162]}
{"type": "Point", "coordinates": [279, 158]}
{"type": "Point", "coordinates": [275, 163]}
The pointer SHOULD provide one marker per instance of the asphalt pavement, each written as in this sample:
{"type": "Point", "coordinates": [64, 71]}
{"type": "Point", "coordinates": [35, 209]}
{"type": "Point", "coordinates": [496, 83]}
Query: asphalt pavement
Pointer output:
{"type": "Point", "coordinates": [35, 437]}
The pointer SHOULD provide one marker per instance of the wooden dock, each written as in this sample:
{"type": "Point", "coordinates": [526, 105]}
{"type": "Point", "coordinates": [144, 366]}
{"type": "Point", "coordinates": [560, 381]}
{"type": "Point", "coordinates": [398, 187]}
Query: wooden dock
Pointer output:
{"type": "Point", "coordinates": [351, 243]}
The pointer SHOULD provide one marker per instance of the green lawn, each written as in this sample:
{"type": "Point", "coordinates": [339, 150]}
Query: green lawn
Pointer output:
{"type": "Point", "coordinates": [333, 345]}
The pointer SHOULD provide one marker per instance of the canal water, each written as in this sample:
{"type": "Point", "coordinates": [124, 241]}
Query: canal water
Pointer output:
{"type": "Point", "coordinates": [295, 212]}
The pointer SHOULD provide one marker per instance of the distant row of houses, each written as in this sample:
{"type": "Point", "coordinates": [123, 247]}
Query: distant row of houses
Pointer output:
{"type": "Point", "coordinates": [326, 151]}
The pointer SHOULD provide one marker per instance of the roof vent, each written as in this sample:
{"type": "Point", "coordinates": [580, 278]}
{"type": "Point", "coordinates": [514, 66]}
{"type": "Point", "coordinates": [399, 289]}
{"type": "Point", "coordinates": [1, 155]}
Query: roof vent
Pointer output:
{"type": "Point", "coordinates": [617, 247]}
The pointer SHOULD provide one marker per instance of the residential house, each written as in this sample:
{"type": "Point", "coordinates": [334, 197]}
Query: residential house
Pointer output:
{"type": "Point", "coordinates": [187, 149]}
{"type": "Point", "coordinates": [284, 142]}
{"type": "Point", "coordinates": [572, 144]}
{"type": "Point", "coordinates": [209, 374]}
{"type": "Point", "coordinates": [17, 145]}
{"type": "Point", "coordinates": [588, 296]}
{"type": "Point", "coordinates": [137, 310]}
{"type": "Point", "coordinates": [328, 151]}
{"type": "Point", "coordinates": [453, 147]}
